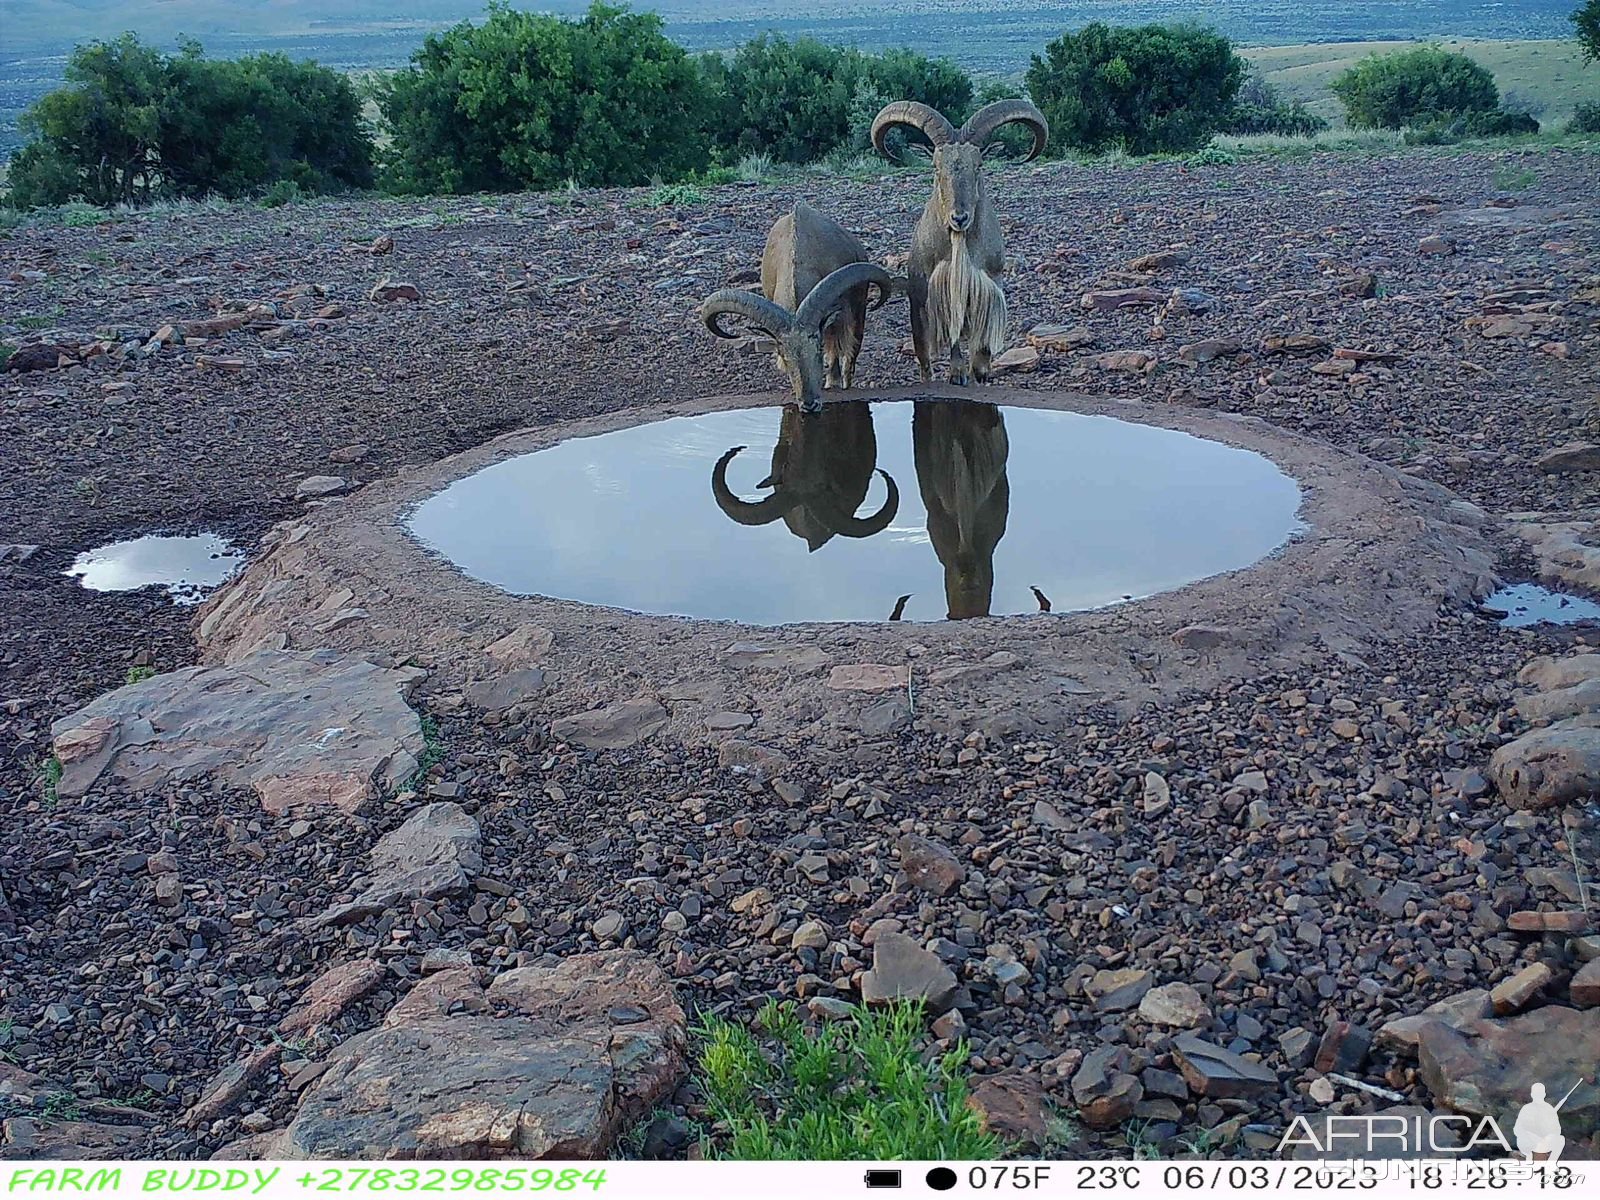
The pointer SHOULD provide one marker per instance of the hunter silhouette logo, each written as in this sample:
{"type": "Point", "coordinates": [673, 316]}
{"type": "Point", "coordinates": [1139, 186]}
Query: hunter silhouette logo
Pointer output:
{"type": "Point", "coordinates": [1538, 1126]}
{"type": "Point", "coordinates": [1537, 1131]}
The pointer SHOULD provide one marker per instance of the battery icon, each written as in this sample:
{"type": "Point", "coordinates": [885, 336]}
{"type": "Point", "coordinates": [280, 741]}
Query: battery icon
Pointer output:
{"type": "Point", "coordinates": [883, 1179]}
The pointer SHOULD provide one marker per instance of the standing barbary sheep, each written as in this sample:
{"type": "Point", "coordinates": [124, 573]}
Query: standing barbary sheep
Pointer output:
{"type": "Point", "coordinates": [815, 280]}
{"type": "Point", "coordinates": [957, 254]}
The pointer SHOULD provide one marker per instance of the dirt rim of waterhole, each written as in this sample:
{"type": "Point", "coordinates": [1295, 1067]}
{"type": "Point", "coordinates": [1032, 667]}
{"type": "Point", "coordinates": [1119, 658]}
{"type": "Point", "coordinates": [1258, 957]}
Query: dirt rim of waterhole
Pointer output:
{"type": "Point", "coordinates": [1379, 553]}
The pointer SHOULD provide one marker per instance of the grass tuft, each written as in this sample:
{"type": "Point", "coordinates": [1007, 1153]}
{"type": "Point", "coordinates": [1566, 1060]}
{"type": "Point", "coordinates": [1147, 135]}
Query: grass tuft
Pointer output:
{"type": "Point", "coordinates": [676, 195]}
{"type": "Point", "coordinates": [857, 1088]}
{"type": "Point", "coordinates": [50, 776]}
{"type": "Point", "coordinates": [432, 753]}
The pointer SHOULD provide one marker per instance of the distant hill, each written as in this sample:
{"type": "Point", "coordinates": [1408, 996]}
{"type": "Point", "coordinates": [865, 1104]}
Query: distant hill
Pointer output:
{"type": "Point", "coordinates": [988, 37]}
{"type": "Point", "coordinates": [963, 27]}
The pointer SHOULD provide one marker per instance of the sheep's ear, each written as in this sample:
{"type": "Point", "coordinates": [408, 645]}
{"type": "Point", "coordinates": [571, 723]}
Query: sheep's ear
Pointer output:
{"type": "Point", "coordinates": [920, 149]}
{"type": "Point", "coordinates": [995, 149]}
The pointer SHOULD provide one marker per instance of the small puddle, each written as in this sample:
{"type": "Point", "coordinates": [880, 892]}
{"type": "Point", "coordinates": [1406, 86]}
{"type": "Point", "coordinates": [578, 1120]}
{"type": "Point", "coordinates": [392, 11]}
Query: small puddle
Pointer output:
{"type": "Point", "coordinates": [188, 567]}
{"type": "Point", "coordinates": [916, 511]}
{"type": "Point", "coordinates": [1528, 604]}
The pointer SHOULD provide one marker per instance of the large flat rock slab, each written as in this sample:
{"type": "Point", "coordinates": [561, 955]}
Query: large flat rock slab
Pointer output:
{"type": "Point", "coordinates": [542, 1062]}
{"type": "Point", "coordinates": [1488, 1067]}
{"type": "Point", "coordinates": [303, 728]}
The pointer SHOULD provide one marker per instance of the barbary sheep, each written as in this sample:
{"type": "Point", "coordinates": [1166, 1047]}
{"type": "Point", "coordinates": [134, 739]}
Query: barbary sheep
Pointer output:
{"type": "Point", "coordinates": [958, 308]}
{"type": "Point", "coordinates": [815, 281]}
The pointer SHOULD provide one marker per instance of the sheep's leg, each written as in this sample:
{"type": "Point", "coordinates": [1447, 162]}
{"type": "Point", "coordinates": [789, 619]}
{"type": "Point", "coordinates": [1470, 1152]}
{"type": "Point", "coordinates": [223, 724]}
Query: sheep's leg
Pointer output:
{"type": "Point", "coordinates": [960, 369]}
{"type": "Point", "coordinates": [921, 337]}
{"type": "Point", "coordinates": [832, 358]}
{"type": "Point", "coordinates": [855, 328]}
{"type": "Point", "coordinates": [981, 358]}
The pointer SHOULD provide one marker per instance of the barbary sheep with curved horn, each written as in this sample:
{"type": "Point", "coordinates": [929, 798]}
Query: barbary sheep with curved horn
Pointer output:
{"type": "Point", "coordinates": [958, 308]}
{"type": "Point", "coordinates": [815, 283]}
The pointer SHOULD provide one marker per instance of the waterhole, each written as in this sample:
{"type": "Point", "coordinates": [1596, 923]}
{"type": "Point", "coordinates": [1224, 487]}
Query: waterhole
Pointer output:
{"type": "Point", "coordinates": [1528, 604]}
{"type": "Point", "coordinates": [904, 510]}
{"type": "Point", "coordinates": [188, 567]}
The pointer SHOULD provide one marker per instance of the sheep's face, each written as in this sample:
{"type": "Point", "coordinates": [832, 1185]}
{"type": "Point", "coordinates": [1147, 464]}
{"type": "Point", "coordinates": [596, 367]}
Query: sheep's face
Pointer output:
{"type": "Point", "coordinates": [958, 184]}
{"type": "Point", "coordinates": [800, 356]}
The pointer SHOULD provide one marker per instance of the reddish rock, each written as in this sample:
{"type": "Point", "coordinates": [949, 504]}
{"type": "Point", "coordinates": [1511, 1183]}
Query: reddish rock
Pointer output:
{"type": "Point", "coordinates": [1011, 1106]}
{"type": "Point", "coordinates": [1488, 1067]}
{"type": "Point", "coordinates": [544, 1062]}
{"type": "Point", "coordinates": [1584, 990]}
{"type": "Point", "coordinates": [930, 866]}
{"type": "Point", "coordinates": [1103, 1090]}
{"type": "Point", "coordinates": [333, 991]}
{"type": "Point", "coordinates": [1018, 360]}
{"type": "Point", "coordinates": [1509, 995]}
{"type": "Point", "coordinates": [1109, 301]}
{"type": "Point", "coordinates": [1572, 921]}
{"type": "Point", "coordinates": [388, 293]}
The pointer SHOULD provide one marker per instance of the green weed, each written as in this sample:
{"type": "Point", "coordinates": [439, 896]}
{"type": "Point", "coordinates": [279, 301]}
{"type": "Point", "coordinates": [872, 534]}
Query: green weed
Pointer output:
{"type": "Point", "coordinates": [1211, 156]}
{"type": "Point", "coordinates": [139, 675]}
{"type": "Point", "coordinates": [676, 195]}
{"type": "Point", "coordinates": [78, 215]}
{"type": "Point", "coordinates": [1137, 1135]}
{"type": "Point", "coordinates": [432, 753]}
{"type": "Point", "coordinates": [852, 1089]}
{"type": "Point", "coordinates": [50, 776]}
{"type": "Point", "coordinates": [1513, 179]}
{"type": "Point", "coordinates": [60, 1106]}
{"type": "Point", "coordinates": [40, 320]}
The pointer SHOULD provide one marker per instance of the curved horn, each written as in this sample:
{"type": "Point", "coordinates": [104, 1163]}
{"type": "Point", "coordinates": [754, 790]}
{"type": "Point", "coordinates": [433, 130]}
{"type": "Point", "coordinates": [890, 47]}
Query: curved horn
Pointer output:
{"type": "Point", "coordinates": [981, 125]}
{"type": "Point", "coordinates": [859, 527]}
{"type": "Point", "coordinates": [912, 114]}
{"type": "Point", "coordinates": [746, 512]}
{"type": "Point", "coordinates": [828, 294]}
{"type": "Point", "coordinates": [758, 310]}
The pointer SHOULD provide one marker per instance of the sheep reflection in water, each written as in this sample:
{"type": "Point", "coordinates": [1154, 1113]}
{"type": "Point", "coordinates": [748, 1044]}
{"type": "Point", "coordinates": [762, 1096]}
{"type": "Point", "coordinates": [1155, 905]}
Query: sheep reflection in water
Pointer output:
{"type": "Point", "coordinates": [823, 465]}
{"type": "Point", "coordinates": [960, 449]}
{"type": "Point", "coordinates": [821, 469]}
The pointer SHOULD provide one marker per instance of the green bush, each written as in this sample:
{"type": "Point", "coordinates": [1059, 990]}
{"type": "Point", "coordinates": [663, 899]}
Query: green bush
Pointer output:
{"type": "Point", "coordinates": [134, 124]}
{"type": "Point", "coordinates": [1586, 20]}
{"type": "Point", "coordinates": [1259, 109]}
{"type": "Point", "coordinates": [800, 101]}
{"type": "Point", "coordinates": [1148, 90]}
{"type": "Point", "coordinates": [1414, 88]}
{"type": "Point", "coordinates": [1585, 119]}
{"type": "Point", "coordinates": [1447, 131]}
{"type": "Point", "coordinates": [851, 1089]}
{"type": "Point", "coordinates": [529, 102]}
{"type": "Point", "coordinates": [285, 191]}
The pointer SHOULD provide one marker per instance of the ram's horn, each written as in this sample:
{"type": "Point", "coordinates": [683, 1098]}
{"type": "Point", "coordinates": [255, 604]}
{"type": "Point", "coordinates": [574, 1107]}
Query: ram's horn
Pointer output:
{"type": "Point", "coordinates": [981, 126]}
{"type": "Point", "coordinates": [910, 114]}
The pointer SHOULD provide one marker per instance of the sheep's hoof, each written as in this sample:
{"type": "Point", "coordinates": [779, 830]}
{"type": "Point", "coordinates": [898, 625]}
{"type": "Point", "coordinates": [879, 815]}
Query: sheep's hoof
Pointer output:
{"type": "Point", "coordinates": [811, 407]}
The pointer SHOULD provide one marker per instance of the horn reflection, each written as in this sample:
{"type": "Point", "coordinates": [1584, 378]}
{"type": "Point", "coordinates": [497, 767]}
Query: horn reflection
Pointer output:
{"type": "Point", "coordinates": [822, 467]}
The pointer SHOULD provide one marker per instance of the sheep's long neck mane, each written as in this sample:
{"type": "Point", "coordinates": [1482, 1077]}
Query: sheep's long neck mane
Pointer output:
{"type": "Point", "coordinates": [964, 302]}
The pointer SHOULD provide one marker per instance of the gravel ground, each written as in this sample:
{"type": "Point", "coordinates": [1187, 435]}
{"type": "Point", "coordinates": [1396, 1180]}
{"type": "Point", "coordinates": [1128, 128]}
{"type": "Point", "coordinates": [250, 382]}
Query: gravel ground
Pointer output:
{"type": "Point", "coordinates": [1333, 822]}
